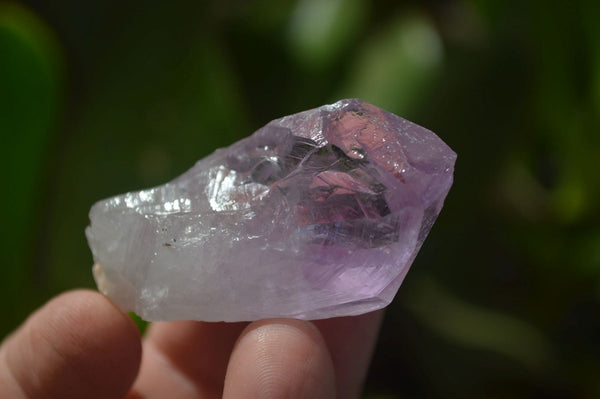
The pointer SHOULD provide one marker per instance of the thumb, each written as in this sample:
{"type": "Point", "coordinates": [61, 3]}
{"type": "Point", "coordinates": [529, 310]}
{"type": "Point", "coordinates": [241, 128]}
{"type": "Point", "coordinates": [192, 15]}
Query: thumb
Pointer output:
{"type": "Point", "coordinates": [78, 345]}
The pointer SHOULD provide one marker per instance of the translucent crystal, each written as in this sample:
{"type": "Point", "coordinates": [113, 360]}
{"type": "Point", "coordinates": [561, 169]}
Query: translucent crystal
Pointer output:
{"type": "Point", "coordinates": [316, 215]}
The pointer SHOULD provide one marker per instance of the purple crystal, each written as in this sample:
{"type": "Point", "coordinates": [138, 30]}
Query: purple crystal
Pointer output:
{"type": "Point", "coordinates": [316, 215]}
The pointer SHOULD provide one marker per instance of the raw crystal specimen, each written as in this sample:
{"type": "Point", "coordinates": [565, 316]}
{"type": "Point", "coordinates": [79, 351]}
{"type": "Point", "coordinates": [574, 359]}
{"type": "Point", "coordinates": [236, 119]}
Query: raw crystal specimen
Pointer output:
{"type": "Point", "coordinates": [316, 215]}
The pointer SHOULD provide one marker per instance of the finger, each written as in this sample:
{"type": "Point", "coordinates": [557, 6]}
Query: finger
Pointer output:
{"type": "Point", "coordinates": [351, 341]}
{"type": "Point", "coordinates": [79, 345]}
{"type": "Point", "coordinates": [280, 358]}
{"type": "Point", "coordinates": [186, 359]}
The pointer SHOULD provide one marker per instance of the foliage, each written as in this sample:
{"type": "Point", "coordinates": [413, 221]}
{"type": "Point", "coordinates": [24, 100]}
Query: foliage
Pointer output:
{"type": "Point", "coordinates": [101, 97]}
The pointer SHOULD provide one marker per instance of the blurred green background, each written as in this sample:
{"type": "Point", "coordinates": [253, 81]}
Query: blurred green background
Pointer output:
{"type": "Point", "coordinates": [103, 97]}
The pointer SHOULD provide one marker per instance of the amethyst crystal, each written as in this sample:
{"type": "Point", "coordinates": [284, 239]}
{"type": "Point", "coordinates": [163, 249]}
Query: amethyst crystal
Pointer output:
{"type": "Point", "coordinates": [316, 215]}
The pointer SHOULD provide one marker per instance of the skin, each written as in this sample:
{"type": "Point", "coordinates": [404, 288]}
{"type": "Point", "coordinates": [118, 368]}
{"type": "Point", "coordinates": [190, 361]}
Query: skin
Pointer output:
{"type": "Point", "coordinates": [79, 345]}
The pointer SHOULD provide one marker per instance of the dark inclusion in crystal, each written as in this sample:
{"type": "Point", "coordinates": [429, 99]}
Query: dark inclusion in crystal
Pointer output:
{"type": "Point", "coordinates": [337, 195]}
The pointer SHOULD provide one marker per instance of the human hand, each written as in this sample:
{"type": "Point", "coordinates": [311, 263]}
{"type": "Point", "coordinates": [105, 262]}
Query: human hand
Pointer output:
{"type": "Point", "coordinates": [79, 345]}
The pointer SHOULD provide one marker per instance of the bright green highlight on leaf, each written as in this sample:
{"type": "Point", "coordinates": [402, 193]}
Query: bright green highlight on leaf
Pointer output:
{"type": "Point", "coordinates": [477, 327]}
{"type": "Point", "coordinates": [30, 99]}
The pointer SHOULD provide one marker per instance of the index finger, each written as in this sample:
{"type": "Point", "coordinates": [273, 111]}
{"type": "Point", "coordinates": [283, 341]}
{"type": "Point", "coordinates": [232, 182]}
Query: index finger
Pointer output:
{"type": "Point", "coordinates": [185, 359]}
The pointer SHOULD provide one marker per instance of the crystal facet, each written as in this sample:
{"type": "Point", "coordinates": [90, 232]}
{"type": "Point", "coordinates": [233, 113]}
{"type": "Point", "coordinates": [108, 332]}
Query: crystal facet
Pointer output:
{"type": "Point", "coordinates": [316, 215]}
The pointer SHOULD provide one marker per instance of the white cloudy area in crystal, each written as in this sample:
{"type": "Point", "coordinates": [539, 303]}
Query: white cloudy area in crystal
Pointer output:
{"type": "Point", "coordinates": [316, 215]}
